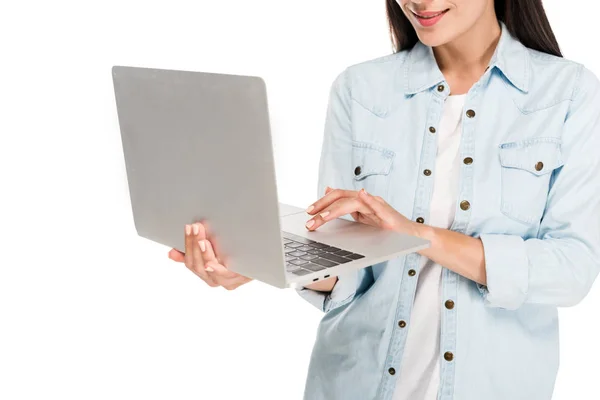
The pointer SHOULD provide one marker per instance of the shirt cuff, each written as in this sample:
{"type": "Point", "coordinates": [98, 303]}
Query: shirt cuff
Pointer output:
{"type": "Point", "coordinates": [343, 292]}
{"type": "Point", "coordinates": [507, 271]}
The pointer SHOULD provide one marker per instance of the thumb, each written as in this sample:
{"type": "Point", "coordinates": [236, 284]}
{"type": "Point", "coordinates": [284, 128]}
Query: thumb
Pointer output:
{"type": "Point", "coordinates": [380, 208]}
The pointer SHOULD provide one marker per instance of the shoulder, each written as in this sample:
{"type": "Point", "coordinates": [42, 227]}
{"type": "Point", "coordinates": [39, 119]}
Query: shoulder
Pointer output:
{"type": "Point", "coordinates": [372, 71]}
{"type": "Point", "coordinates": [370, 81]}
{"type": "Point", "coordinates": [558, 79]}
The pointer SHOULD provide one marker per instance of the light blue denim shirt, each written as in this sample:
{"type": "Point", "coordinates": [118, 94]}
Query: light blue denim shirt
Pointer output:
{"type": "Point", "coordinates": [529, 188]}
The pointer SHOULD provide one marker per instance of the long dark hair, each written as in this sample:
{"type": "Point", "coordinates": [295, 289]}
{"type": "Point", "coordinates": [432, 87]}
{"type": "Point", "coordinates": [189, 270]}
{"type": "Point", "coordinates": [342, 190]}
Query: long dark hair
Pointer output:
{"type": "Point", "coordinates": [526, 20]}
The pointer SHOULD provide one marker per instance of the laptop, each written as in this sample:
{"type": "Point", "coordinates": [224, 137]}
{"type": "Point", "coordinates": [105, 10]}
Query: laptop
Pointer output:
{"type": "Point", "coordinates": [197, 148]}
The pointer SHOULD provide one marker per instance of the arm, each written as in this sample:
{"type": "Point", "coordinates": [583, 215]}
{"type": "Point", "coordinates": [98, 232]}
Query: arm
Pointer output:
{"type": "Point", "coordinates": [333, 166]}
{"type": "Point", "coordinates": [559, 266]}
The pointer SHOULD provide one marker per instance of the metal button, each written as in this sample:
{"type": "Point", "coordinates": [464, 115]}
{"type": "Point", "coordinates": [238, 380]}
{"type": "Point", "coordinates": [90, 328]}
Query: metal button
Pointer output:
{"type": "Point", "coordinates": [392, 371]}
{"type": "Point", "coordinates": [431, 129]}
{"type": "Point", "coordinates": [465, 205]}
{"type": "Point", "coordinates": [449, 304]}
{"type": "Point", "coordinates": [468, 161]}
{"type": "Point", "coordinates": [402, 324]}
{"type": "Point", "coordinates": [412, 272]}
{"type": "Point", "coordinates": [448, 356]}
{"type": "Point", "coordinates": [420, 220]}
{"type": "Point", "coordinates": [440, 88]}
{"type": "Point", "coordinates": [427, 172]}
{"type": "Point", "coordinates": [357, 170]}
{"type": "Point", "coordinates": [539, 166]}
{"type": "Point", "coordinates": [470, 113]}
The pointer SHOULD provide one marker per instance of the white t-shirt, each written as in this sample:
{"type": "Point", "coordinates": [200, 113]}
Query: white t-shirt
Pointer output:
{"type": "Point", "coordinates": [419, 376]}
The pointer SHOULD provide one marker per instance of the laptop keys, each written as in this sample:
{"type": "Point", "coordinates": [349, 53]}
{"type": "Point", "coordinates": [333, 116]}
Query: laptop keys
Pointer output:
{"type": "Point", "coordinates": [337, 259]}
{"type": "Point", "coordinates": [304, 256]}
{"type": "Point", "coordinates": [301, 272]}
{"type": "Point", "coordinates": [295, 238]}
{"type": "Point", "coordinates": [297, 253]}
{"type": "Point", "coordinates": [355, 256]}
{"type": "Point", "coordinates": [313, 267]}
{"type": "Point", "coordinates": [325, 263]}
{"type": "Point", "coordinates": [331, 249]}
{"type": "Point", "coordinates": [299, 262]}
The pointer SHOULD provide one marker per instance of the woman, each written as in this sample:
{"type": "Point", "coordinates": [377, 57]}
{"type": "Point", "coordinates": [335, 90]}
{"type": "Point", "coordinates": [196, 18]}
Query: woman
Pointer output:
{"type": "Point", "coordinates": [477, 135]}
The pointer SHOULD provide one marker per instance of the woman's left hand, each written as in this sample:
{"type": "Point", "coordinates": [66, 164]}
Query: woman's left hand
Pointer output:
{"type": "Point", "coordinates": [363, 207]}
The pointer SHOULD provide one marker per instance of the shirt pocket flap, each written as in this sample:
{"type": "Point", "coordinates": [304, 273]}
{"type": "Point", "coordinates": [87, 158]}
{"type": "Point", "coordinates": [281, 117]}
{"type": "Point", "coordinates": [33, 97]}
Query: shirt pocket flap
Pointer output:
{"type": "Point", "coordinates": [538, 156]}
{"type": "Point", "coordinates": [369, 159]}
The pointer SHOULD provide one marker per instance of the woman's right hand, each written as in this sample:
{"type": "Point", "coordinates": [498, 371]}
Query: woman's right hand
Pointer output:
{"type": "Point", "coordinates": [200, 258]}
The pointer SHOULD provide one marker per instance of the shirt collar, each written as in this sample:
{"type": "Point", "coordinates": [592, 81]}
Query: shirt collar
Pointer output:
{"type": "Point", "coordinates": [511, 58]}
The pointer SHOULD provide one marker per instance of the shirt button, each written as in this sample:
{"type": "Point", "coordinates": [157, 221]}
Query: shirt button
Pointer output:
{"type": "Point", "coordinates": [468, 161]}
{"type": "Point", "coordinates": [428, 172]}
{"type": "Point", "coordinates": [357, 171]}
{"type": "Point", "coordinates": [465, 205]}
{"type": "Point", "coordinates": [448, 356]}
{"type": "Point", "coordinates": [431, 129]}
{"type": "Point", "coordinates": [470, 113]}
{"type": "Point", "coordinates": [420, 220]}
{"type": "Point", "coordinates": [392, 371]}
{"type": "Point", "coordinates": [402, 324]}
{"type": "Point", "coordinates": [412, 272]}
{"type": "Point", "coordinates": [449, 304]}
{"type": "Point", "coordinates": [440, 88]}
{"type": "Point", "coordinates": [539, 166]}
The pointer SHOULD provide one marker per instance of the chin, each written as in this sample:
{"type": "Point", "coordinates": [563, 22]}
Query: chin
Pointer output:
{"type": "Point", "coordinates": [432, 38]}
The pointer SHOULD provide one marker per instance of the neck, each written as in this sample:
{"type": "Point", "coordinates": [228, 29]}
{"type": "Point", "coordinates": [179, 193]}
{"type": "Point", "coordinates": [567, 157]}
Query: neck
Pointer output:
{"type": "Point", "coordinates": [473, 50]}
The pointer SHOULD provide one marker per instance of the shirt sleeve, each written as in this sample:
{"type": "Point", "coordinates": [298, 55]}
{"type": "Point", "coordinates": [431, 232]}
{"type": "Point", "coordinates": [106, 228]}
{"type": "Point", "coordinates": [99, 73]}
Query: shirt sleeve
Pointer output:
{"type": "Point", "coordinates": [559, 266]}
{"type": "Point", "coordinates": [335, 168]}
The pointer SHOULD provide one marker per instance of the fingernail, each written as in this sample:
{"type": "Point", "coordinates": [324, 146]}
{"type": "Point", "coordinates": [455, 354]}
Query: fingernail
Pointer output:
{"type": "Point", "coordinates": [309, 209]}
{"type": "Point", "coordinates": [325, 214]}
{"type": "Point", "coordinates": [310, 223]}
{"type": "Point", "coordinates": [363, 191]}
{"type": "Point", "coordinates": [196, 229]}
{"type": "Point", "coordinates": [188, 230]}
{"type": "Point", "coordinates": [202, 245]}
{"type": "Point", "coordinates": [209, 269]}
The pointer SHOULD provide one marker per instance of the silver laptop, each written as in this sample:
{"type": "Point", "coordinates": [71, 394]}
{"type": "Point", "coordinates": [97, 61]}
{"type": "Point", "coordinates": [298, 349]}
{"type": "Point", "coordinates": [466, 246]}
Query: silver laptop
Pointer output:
{"type": "Point", "coordinates": [197, 147]}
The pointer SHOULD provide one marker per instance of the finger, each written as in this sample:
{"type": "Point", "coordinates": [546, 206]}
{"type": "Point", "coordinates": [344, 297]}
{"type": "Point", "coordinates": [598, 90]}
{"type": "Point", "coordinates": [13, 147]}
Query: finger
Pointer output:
{"type": "Point", "coordinates": [328, 189]}
{"type": "Point", "coordinates": [328, 199]}
{"type": "Point", "coordinates": [208, 252]}
{"type": "Point", "coordinates": [379, 207]}
{"type": "Point", "coordinates": [189, 244]}
{"type": "Point", "coordinates": [218, 272]}
{"type": "Point", "coordinates": [176, 255]}
{"type": "Point", "coordinates": [235, 283]}
{"type": "Point", "coordinates": [336, 210]}
{"type": "Point", "coordinates": [197, 262]}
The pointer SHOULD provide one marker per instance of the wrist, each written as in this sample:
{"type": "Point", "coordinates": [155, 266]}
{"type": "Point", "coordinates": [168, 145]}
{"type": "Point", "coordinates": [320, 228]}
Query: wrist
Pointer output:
{"type": "Point", "coordinates": [426, 232]}
{"type": "Point", "coordinates": [423, 231]}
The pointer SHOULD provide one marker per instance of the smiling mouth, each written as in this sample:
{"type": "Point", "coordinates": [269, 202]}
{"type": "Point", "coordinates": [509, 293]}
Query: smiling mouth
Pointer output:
{"type": "Point", "coordinates": [429, 15]}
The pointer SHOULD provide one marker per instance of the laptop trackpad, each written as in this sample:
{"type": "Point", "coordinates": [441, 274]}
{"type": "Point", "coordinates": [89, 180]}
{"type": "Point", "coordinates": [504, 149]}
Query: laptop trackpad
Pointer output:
{"type": "Point", "coordinates": [286, 209]}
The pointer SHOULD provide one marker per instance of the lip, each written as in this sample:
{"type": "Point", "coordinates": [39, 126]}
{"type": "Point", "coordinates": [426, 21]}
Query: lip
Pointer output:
{"type": "Point", "coordinates": [429, 18]}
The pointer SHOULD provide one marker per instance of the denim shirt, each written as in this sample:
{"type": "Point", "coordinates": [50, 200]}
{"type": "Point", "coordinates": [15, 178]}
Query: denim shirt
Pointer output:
{"type": "Point", "coordinates": [529, 189]}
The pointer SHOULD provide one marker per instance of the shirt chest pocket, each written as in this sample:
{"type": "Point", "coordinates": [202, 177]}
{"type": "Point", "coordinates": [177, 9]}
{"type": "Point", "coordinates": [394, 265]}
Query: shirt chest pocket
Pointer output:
{"type": "Point", "coordinates": [526, 169]}
{"type": "Point", "coordinates": [372, 164]}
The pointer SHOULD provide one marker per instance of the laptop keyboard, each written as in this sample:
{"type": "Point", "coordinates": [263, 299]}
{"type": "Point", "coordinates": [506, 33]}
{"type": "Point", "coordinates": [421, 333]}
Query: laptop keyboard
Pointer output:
{"type": "Point", "coordinates": [304, 256]}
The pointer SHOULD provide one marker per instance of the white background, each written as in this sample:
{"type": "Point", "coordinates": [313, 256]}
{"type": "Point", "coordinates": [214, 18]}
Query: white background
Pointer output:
{"type": "Point", "coordinates": [90, 311]}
